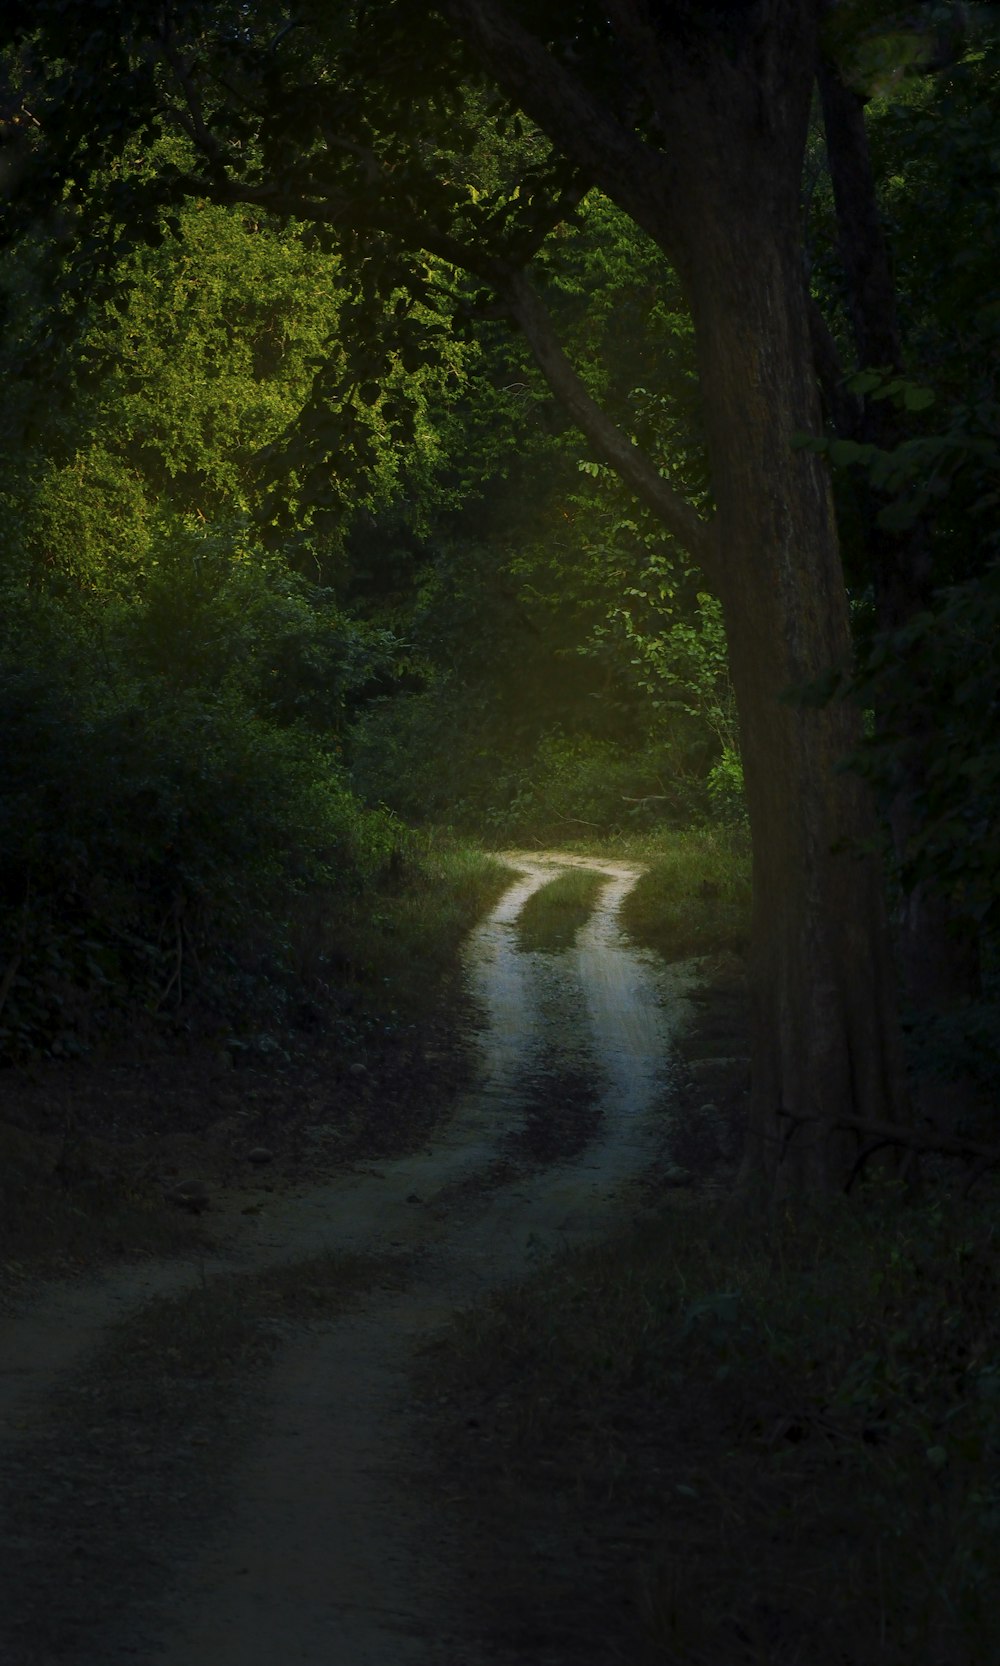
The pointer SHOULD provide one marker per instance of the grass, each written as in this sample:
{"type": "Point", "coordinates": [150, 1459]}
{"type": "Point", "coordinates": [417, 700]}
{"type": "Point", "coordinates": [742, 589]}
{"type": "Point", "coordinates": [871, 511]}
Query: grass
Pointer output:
{"type": "Point", "coordinates": [552, 917]}
{"type": "Point", "coordinates": [694, 897]}
{"type": "Point", "coordinates": [800, 1417]}
{"type": "Point", "coordinates": [233, 1323]}
{"type": "Point", "coordinates": [55, 1222]}
{"type": "Point", "coordinates": [396, 946]}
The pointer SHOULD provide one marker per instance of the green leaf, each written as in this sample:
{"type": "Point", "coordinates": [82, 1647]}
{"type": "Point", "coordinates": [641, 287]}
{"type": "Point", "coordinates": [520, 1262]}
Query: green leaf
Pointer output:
{"type": "Point", "coordinates": [899, 517]}
{"type": "Point", "coordinates": [864, 382]}
{"type": "Point", "coordinates": [845, 452]}
{"type": "Point", "coordinates": [917, 399]}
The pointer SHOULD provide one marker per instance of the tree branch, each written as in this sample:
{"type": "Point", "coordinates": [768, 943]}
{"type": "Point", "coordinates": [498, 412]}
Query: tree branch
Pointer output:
{"type": "Point", "coordinates": [633, 173]}
{"type": "Point", "coordinates": [884, 1134]}
{"type": "Point", "coordinates": [846, 410]}
{"type": "Point", "coordinates": [606, 438]}
{"type": "Point", "coordinates": [524, 306]}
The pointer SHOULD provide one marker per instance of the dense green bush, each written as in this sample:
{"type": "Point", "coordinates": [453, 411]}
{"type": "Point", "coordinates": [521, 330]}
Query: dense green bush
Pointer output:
{"type": "Point", "coordinates": [151, 814]}
{"type": "Point", "coordinates": [936, 684]}
{"type": "Point", "coordinates": [414, 756]}
{"type": "Point", "coordinates": [575, 784]}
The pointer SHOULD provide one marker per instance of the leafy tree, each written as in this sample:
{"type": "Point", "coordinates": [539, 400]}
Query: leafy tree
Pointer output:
{"type": "Point", "coordinates": [174, 694]}
{"type": "Point", "coordinates": [909, 267]}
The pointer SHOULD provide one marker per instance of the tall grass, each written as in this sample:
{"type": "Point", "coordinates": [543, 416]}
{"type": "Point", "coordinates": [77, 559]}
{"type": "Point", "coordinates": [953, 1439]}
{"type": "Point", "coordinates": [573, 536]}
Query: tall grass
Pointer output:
{"type": "Point", "coordinates": [808, 1408]}
{"type": "Point", "coordinates": [551, 917]}
{"type": "Point", "coordinates": [395, 944]}
{"type": "Point", "coordinates": [694, 897]}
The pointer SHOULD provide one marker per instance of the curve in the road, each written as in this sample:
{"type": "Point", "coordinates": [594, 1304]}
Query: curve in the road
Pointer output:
{"type": "Point", "coordinates": [336, 1560]}
{"type": "Point", "coordinates": [331, 1558]}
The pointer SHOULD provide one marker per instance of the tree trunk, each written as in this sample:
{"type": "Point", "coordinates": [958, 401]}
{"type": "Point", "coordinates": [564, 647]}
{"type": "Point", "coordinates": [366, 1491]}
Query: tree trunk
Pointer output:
{"type": "Point", "coordinates": [826, 1040]}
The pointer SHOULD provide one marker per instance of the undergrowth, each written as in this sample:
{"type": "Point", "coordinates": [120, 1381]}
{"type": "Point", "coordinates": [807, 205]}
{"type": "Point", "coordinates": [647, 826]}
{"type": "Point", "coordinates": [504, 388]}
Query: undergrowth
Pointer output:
{"type": "Point", "coordinates": [694, 894]}
{"type": "Point", "coordinates": [694, 897]}
{"type": "Point", "coordinates": [392, 946]}
{"type": "Point", "coordinates": [807, 1411]}
{"type": "Point", "coordinates": [551, 917]}
{"type": "Point", "coordinates": [365, 977]}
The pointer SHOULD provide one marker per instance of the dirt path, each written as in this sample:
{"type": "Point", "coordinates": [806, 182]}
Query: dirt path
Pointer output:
{"type": "Point", "coordinates": [334, 1550]}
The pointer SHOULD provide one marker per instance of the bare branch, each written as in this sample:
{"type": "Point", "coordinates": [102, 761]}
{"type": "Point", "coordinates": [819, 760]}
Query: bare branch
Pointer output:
{"type": "Point", "coordinates": [885, 1134]}
{"type": "Point", "coordinates": [609, 442]}
{"type": "Point", "coordinates": [846, 410]}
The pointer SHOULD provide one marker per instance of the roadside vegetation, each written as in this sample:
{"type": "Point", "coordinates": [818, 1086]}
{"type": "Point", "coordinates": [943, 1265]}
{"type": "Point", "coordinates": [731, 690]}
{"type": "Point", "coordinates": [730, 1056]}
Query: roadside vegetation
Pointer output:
{"type": "Point", "coordinates": [744, 1419]}
{"type": "Point", "coordinates": [347, 999]}
{"type": "Point", "coordinates": [725, 1415]}
{"type": "Point", "coordinates": [694, 897]}
{"type": "Point", "coordinates": [311, 595]}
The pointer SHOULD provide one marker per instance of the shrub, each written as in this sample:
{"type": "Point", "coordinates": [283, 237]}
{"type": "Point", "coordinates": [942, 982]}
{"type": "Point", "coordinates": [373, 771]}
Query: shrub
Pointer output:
{"type": "Point", "coordinates": [141, 830]}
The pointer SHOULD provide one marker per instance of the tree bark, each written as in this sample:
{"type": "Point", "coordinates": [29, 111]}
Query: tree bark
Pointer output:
{"type": "Point", "coordinates": [823, 989]}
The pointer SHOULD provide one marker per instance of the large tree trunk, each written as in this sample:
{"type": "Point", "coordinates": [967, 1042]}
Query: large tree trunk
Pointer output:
{"type": "Point", "coordinates": [825, 1036]}
{"type": "Point", "coordinates": [826, 1040]}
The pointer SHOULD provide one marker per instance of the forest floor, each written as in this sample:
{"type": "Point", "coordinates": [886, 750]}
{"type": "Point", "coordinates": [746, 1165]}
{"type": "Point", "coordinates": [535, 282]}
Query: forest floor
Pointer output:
{"type": "Point", "coordinates": [241, 1447]}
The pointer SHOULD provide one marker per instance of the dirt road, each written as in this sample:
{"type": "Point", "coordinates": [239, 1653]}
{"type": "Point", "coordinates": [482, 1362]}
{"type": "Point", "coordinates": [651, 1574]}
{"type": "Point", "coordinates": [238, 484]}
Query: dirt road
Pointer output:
{"type": "Point", "coordinates": [327, 1542]}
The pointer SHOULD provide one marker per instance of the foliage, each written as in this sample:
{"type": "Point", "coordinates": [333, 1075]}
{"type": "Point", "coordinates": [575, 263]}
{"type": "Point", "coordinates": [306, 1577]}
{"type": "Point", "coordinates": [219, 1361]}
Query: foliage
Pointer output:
{"type": "Point", "coordinates": [741, 1386]}
{"type": "Point", "coordinates": [694, 896]}
{"type": "Point", "coordinates": [420, 759]}
{"type": "Point", "coordinates": [937, 684]}
{"type": "Point", "coordinates": [582, 784]}
{"type": "Point", "coordinates": [154, 808]}
{"type": "Point", "coordinates": [949, 470]}
{"type": "Point", "coordinates": [211, 397]}
{"type": "Point", "coordinates": [399, 942]}
{"type": "Point", "coordinates": [685, 668]}
{"type": "Point", "coordinates": [147, 842]}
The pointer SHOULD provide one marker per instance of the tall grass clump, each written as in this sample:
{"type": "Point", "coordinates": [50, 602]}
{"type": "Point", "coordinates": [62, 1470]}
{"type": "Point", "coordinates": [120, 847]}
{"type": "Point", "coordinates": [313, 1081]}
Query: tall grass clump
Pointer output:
{"type": "Point", "coordinates": [694, 897]}
{"type": "Point", "coordinates": [551, 917]}
{"type": "Point", "coordinates": [395, 944]}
